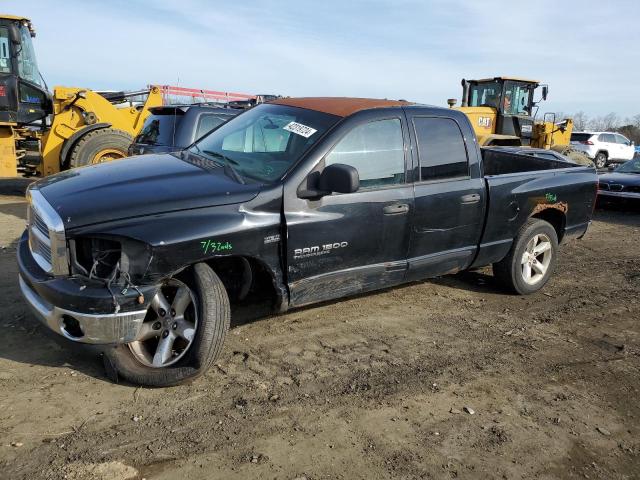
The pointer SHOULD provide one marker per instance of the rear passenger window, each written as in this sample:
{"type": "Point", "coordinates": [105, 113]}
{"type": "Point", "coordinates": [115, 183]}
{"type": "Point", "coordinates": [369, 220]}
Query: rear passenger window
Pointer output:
{"type": "Point", "coordinates": [441, 149]}
{"type": "Point", "coordinates": [376, 150]}
{"type": "Point", "coordinates": [208, 123]}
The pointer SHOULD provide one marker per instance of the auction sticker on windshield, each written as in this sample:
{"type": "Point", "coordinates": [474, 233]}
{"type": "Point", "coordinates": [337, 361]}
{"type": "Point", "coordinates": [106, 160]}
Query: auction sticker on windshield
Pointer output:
{"type": "Point", "coordinates": [300, 129]}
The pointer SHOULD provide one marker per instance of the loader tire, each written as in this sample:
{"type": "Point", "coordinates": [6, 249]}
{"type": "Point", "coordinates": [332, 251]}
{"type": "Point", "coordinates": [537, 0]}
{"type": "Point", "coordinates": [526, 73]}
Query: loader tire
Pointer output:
{"type": "Point", "coordinates": [100, 146]}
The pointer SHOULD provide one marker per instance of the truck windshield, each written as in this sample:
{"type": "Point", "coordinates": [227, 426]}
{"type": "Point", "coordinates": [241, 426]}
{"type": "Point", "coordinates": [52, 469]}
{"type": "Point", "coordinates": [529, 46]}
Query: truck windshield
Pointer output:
{"type": "Point", "coordinates": [263, 143]}
{"type": "Point", "coordinates": [27, 65]}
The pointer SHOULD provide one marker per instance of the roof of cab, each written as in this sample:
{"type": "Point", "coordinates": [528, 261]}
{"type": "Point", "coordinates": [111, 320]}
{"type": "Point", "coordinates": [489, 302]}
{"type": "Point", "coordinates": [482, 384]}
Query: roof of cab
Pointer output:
{"type": "Point", "coordinates": [14, 17]}
{"type": "Point", "coordinates": [340, 106]}
{"type": "Point", "coordinates": [515, 79]}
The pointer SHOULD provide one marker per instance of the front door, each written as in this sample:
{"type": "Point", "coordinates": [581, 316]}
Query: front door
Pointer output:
{"type": "Point", "coordinates": [343, 244]}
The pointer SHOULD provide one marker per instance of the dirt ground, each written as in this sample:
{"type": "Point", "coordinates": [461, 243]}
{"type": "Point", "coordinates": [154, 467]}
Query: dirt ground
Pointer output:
{"type": "Point", "coordinates": [370, 387]}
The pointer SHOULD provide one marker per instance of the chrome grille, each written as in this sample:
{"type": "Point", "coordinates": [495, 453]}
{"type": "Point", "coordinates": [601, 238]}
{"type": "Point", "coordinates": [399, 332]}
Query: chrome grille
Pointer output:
{"type": "Point", "coordinates": [46, 235]}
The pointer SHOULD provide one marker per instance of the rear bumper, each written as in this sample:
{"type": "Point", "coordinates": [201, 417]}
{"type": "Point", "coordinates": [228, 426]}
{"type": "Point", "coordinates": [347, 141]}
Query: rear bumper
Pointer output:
{"type": "Point", "coordinates": [80, 310]}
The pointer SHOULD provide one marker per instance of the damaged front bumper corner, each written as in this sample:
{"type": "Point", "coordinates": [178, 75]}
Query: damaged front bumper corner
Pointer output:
{"type": "Point", "coordinates": [107, 328]}
{"type": "Point", "coordinates": [79, 310]}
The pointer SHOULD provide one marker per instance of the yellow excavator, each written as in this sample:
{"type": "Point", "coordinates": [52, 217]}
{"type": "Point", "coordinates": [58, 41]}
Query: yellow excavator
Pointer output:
{"type": "Point", "coordinates": [41, 133]}
{"type": "Point", "coordinates": [503, 111]}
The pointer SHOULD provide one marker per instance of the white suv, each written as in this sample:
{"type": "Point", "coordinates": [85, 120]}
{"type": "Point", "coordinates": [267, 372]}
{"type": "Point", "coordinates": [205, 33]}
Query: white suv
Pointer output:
{"type": "Point", "coordinates": [603, 147]}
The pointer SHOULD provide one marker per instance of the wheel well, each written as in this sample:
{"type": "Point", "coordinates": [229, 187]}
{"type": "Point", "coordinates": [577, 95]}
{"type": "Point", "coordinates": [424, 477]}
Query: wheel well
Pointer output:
{"type": "Point", "coordinates": [556, 218]}
{"type": "Point", "coordinates": [243, 275]}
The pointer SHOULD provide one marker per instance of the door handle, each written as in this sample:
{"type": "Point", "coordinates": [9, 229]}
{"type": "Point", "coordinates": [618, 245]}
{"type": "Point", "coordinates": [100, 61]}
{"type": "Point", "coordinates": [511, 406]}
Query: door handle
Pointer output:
{"type": "Point", "coordinates": [396, 209]}
{"type": "Point", "coordinates": [471, 198]}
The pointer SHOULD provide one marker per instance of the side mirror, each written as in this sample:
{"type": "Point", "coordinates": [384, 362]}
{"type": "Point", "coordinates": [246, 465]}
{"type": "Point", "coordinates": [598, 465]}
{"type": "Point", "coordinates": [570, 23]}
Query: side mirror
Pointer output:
{"type": "Point", "coordinates": [337, 177]}
{"type": "Point", "coordinates": [545, 92]}
{"type": "Point", "coordinates": [611, 168]}
{"type": "Point", "coordinates": [340, 178]}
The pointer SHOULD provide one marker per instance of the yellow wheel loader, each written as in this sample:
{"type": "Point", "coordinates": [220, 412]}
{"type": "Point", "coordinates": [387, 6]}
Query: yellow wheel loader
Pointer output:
{"type": "Point", "coordinates": [502, 111]}
{"type": "Point", "coordinates": [40, 133]}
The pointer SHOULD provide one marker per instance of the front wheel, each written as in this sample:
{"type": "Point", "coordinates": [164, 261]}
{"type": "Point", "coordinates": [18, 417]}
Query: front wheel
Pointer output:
{"type": "Point", "coordinates": [531, 260]}
{"type": "Point", "coordinates": [182, 334]}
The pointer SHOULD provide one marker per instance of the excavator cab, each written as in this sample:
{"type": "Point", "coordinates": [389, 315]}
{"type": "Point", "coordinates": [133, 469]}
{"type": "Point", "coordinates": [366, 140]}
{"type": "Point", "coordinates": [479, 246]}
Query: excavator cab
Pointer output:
{"type": "Point", "coordinates": [24, 98]}
{"type": "Point", "coordinates": [501, 109]}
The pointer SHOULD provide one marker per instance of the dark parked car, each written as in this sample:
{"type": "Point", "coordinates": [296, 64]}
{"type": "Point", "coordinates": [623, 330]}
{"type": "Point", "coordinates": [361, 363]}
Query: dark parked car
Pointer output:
{"type": "Point", "coordinates": [623, 183]}
{"type": "Point", "coordinates": [172, 128]}
{"type": "Point", "coordinates": [296, 201]}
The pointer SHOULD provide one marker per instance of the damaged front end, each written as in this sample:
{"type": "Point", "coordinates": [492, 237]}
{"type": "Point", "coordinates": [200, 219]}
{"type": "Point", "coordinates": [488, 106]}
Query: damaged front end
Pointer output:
{"type": "Point", "coordinates": [87, 288]}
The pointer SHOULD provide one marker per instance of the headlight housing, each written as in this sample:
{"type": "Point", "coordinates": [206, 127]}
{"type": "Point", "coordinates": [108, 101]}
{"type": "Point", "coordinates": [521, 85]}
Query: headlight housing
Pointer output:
{"type": "Point", "coordinates": [109, 258]}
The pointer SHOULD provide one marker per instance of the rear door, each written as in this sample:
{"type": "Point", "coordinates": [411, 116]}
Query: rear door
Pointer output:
{"type": "Point", "coordinates": [449, 196]}
{"type": "Point", "coordinates": [609, 144]}
{"type": "Point", "coordinates": [343, 244]}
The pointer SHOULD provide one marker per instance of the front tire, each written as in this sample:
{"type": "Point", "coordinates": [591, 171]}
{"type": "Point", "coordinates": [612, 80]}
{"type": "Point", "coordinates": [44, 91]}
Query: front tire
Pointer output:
{"type": "Point", "coordinates": [181, 336]}
{"type": "Point", "coordinates": [601, 160]}
{"type": "Point", "coordinates": [531, 260]}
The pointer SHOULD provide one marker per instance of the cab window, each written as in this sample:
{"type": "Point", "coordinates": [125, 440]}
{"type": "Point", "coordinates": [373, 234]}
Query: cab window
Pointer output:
{"type": "Point", "coordinates": [516, 98]}
{"type": "Point", "coordinates": [441, 149]}
{"type": "Point", "coordinates": [27, 66]}
{"type": "Point", "coordinates": [5, 58]}
{"type": "Point", "coordinates": [485, 94]}
{"type": "Point", "coordinates": [376, 150]}
{"type": "Point", "coordinates": [208, 122]}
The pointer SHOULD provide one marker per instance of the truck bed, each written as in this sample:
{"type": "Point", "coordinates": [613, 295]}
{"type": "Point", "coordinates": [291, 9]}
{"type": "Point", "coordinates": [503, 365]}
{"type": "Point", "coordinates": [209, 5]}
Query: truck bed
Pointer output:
{"type": "Point", "coordinates": [496, 162]}
{"type": "Point", "coordinates": [519, 186]}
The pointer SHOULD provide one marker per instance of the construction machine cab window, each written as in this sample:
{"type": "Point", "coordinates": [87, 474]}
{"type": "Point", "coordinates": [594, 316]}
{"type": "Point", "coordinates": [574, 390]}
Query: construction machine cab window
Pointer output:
{"type": "Point", "coordinates": [517, 98]}
{"type": "Point", "coordinates": [485, 94]}
{"type": "Point", "coordinates": [27, 65]}
{"type": "Point", "coordinates": [5, 58]}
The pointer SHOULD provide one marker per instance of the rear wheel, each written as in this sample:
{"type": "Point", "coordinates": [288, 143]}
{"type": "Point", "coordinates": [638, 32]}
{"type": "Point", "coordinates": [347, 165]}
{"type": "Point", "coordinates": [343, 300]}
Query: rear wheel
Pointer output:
{"type": "Point", "coordinates": [601, 160]}
{"type": "Point", "coordinates": [182, 334]}
{"type": "Point", "coordinates": [531, 260]}
{"type": "Point", "coordinates": [100, 146]}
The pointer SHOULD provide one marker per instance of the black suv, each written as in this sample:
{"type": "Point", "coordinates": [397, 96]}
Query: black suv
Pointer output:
{"type": "Point", "coordinates": [174, 127]}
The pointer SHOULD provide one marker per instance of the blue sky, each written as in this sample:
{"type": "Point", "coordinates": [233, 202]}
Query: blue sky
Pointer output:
{"type": "Point", "coordinates": [587, 51]}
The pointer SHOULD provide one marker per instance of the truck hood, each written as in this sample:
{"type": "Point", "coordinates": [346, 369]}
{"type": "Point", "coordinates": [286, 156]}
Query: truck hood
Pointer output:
{"type": "Point", "coordinates": [139, 186]}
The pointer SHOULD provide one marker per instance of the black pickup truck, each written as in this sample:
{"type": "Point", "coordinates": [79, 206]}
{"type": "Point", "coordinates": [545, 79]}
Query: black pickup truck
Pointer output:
{"type": "Point", "coordinates": [296, 201]}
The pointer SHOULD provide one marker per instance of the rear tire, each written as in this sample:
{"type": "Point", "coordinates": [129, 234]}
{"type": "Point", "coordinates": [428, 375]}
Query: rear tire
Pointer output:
{"type": "Point", "coordinates": [209, 323]}
{"type": "Point", "coordinates": [531, 260]}
{"type": "Point", "coordinates": [100, 146]}
{"type": "Point", "coordinates": [601, 160]}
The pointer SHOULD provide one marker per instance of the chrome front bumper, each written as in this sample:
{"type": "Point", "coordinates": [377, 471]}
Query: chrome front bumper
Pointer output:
{"type": "Point", "coordinates": [84, 327]}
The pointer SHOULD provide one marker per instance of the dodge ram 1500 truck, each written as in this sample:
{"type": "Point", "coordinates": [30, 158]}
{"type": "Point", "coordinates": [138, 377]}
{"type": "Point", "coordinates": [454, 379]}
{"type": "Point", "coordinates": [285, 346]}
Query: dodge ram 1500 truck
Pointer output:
{"type": "Point", "coordinates": [300, 200]}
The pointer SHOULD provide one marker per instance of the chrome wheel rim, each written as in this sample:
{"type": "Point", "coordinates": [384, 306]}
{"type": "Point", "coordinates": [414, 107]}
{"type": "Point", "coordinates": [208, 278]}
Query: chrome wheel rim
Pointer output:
{"type": "Point", "coordinates": [169, 328]}
{"type": "Point", "coordinates": [536, 259]}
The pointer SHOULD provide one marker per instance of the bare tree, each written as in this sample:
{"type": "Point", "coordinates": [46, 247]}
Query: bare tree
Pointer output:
{"type": "Point", "coordinates": [580, 121]}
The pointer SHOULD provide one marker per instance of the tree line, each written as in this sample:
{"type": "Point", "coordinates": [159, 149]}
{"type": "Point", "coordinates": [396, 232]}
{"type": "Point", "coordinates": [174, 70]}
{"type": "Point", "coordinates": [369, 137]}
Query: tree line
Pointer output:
{"type": "Point", "coordinates": [612, 122]}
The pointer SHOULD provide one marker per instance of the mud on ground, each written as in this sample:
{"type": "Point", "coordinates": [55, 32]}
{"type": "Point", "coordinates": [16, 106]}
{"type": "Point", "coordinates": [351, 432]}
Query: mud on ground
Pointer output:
{"type": "Point", "coordinates": [371, 387]}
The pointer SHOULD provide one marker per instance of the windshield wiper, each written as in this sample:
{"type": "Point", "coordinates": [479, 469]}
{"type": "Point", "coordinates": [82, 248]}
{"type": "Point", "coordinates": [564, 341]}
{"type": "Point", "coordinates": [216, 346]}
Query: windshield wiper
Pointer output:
{"type": "Point", "coordinates": [226, 163]}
